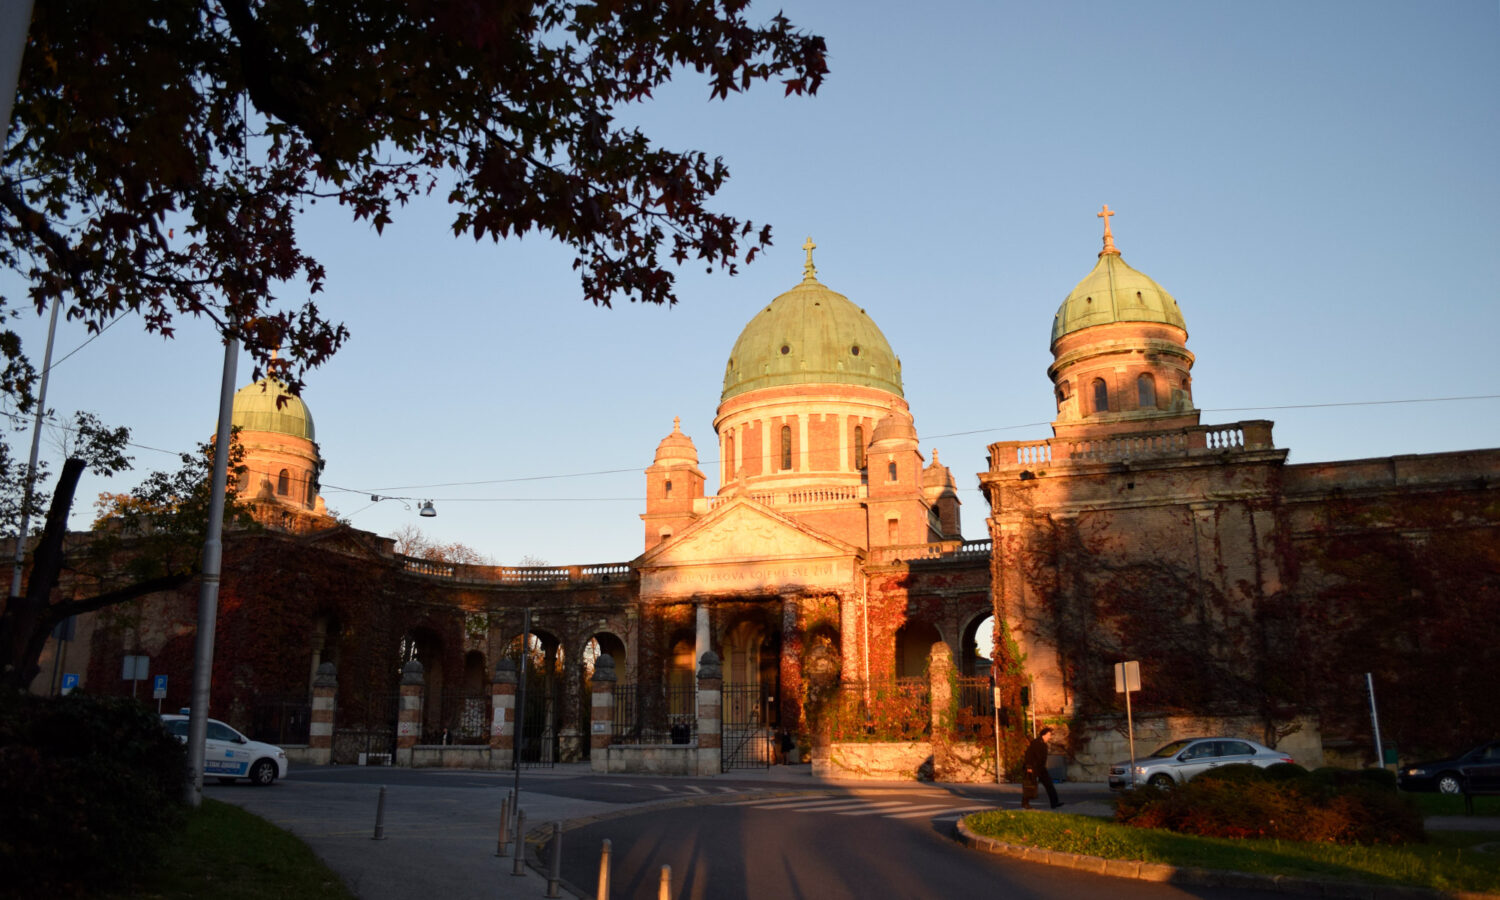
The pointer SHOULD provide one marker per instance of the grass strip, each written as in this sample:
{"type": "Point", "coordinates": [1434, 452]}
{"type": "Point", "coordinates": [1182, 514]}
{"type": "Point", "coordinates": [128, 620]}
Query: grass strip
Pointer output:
{"type": "Point", "coordinates": [229, 854]}
{"type": "Point", "coordinates": [1453, 804]}
{"type": "Point", "coordinates": [1449, 861]}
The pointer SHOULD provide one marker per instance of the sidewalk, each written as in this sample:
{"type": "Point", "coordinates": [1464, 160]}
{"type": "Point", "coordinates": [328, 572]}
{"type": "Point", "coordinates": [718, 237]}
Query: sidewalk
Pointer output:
{"type": "Point", "coordinates": [438, 841]}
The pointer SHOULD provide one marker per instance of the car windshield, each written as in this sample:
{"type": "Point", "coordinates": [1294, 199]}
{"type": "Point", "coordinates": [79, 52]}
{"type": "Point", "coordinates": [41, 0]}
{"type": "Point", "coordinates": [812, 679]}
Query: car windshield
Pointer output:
{"type": "Point", "coordinates": [1171, 749]}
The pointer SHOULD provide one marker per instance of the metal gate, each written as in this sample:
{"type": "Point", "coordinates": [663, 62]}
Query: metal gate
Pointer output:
{"type": "Point", "coordinates": [748, 740]}
{"type": "Point", "coordinates": [537, 748]}
{"type": "Point", "coordinates": [366, 735]}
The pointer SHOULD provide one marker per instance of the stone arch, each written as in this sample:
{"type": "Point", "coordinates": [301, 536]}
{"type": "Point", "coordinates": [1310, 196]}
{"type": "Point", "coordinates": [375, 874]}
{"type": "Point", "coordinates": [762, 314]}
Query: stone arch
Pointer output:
{"type": "Point", "coordinates": [597, 645]}
{"type": "Point", "coordinates": [978, 637]}
{"type": "Point", "coordinates": [425, 645]}
{"type": "Point", "coordinates": [914, 643]}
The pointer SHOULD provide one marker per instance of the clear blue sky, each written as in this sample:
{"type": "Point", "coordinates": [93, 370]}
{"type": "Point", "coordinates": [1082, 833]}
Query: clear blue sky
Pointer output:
{"type": "Point", "coordinates": [1318, 184]}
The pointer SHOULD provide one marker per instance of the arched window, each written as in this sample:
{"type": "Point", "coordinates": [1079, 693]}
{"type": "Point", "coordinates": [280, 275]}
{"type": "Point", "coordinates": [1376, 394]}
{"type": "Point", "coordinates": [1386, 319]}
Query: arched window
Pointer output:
{"type": "Point", "coordinates": [669, 489]}
{"type": "Point", "coordinates": [312, 489]}
{"type": "Point", "coordinates": [892, 469]}
{"type": "Point", "coordinates": [892, 530]}
{"type": "Point", "coordinates": [729, 458]}
{"type": "Point", "coordinates": [283, 483]}
{"type": "Point", "coordinates": [859, 446]}
{"type": "Point", "coordinates": [786, 447]}
{"type": "Point", "coordinates": [1101, 396]}
{"type": "Point", "coordinates": [1145, 389]}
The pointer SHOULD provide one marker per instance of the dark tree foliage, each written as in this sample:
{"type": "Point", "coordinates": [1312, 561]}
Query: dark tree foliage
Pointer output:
{"type": "Point", "coordinates": [161, 149]}
{"type": "Point", "coordinates": [146, 541]}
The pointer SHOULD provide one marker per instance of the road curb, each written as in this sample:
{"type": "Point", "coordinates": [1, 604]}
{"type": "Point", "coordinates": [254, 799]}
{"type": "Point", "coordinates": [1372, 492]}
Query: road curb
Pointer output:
{"type": "Point", "coordinates": [1196, 877]}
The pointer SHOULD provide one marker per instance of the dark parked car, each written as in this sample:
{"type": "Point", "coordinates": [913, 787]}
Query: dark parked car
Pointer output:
{"type": "Point", "coordinates": [1478, 770]}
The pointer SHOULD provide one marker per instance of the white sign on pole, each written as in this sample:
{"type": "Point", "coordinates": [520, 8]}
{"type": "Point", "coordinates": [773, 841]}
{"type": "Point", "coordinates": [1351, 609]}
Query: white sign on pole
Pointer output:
{"type": "Point", "coordinates": [1127, 679]}
{"type": "Point", "coordinates": [137, 668]}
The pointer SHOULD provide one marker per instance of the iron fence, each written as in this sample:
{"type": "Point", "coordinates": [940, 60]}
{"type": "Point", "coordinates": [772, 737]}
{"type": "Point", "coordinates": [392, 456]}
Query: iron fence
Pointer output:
{"type": "Point", "coordinates": [463, 719]}
{"type": "Point", "coordinates": [281, 722]}
{"type": "Point", "coordinates": [656, 715]}
{"type": "Point", "coordinates": [975, 713]}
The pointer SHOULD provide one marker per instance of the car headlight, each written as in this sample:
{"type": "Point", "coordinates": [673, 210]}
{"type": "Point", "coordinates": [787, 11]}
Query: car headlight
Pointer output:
{"type": "Point", "coordinates": [1140, 770]}
{"type": "Point", "coordinates": [1416, 772]}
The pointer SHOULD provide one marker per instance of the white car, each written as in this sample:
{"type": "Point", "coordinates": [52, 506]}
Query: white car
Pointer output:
{"type": "Point", "coordinates": [228, 755]}
{"type": "Point", "coordinates": [1179, 761]}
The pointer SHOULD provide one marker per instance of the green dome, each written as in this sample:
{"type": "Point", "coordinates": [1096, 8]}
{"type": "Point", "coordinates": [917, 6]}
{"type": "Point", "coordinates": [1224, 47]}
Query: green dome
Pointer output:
{"type": "Point", "coordinates": [811, 335]}
{"type": "Point", "coordinates": [255, 410]}
{"type": "Point", "coordinates": [1114, 292]}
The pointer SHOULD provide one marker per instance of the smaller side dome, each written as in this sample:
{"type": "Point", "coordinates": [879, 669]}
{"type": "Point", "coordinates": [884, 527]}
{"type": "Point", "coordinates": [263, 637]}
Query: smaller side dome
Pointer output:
{"type": "Point", "coordinates": [894, 427]}
{"type": "Point", "coordinates": [676, 448]}
{"type": "Point", "coordinates": [1114, 292]}
{"type": "Point", "coordinates": [256, 409]}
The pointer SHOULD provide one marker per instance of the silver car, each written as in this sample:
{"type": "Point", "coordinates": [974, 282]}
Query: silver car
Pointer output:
{"type": "Point", "coordinates": [1179, 761]}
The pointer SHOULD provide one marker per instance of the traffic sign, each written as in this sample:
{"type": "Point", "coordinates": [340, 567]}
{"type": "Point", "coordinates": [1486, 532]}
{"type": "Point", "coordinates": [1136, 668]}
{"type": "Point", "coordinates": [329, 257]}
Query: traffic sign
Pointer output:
{"type": "Point", "coordinates": [159, 687]}
{"type": "Point", "coordinates": [69, 682]}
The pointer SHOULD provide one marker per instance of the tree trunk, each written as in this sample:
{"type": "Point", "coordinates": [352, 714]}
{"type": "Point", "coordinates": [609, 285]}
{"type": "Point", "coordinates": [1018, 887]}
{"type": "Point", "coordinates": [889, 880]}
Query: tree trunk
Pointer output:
{"type": "Point", "coordinates": [25, 624]}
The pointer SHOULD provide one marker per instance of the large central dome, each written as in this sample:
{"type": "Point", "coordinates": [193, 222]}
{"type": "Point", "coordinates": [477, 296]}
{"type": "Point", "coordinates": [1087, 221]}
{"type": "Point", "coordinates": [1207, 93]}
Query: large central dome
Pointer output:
{"type": "Point", "coordinates": [811, 335]}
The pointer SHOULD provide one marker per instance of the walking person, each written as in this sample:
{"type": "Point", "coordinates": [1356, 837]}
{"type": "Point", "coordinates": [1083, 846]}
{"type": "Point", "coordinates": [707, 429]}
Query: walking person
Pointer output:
{"type": "Point", "coordinates": [1035, 763]}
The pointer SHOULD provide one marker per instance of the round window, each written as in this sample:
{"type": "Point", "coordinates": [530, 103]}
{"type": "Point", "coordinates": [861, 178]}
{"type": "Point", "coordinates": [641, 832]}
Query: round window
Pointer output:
{"type": "Point", "coordinates": [854, 350]}
{"type": "Point", "coordinates": [785, 349]}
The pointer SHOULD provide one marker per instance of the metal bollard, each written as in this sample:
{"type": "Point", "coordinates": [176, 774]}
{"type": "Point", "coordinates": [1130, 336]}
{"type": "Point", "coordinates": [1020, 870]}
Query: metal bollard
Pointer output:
{"type": "Point", "coordinates": [380, 817]}
{"type": "Point", "coordinates": [664, 892]}
{"type": "Point", "coordinates": [603, 892]}
{"type": "Point", "coordinates": [554, 870]}
{"type": "Point", "coordinates": [504, 840]}
{"type": "Point", "coordinates": [519, 866]}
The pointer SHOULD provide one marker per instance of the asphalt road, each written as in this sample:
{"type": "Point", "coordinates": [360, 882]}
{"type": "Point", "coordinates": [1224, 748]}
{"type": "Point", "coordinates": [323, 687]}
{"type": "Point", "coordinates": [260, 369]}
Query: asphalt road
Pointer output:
{"type": "Point", "coordinates": [882, 845]}
{"type": "Point", "coordinates": [725, 838]}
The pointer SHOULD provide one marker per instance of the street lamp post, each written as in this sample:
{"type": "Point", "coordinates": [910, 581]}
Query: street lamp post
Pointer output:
{"type": "Point", "coordinates": [208, 590]}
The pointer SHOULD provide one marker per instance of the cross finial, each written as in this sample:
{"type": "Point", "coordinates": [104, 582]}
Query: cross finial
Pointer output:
{"type": "Point", "coordinates": [809, 271]}
{"type": "Point", "coordinates": [677, 423]}
{"type": "Point", "coordinates": [1109, 238]}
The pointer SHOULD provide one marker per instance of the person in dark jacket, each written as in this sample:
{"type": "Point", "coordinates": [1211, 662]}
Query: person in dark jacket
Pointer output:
{"type": "Point", "coordinates": [1035, 763]}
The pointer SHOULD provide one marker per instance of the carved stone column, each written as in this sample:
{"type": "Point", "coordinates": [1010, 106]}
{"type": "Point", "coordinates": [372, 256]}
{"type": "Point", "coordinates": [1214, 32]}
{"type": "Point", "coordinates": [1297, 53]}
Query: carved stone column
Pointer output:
{"type": "Point", "coordinates": [602, 714]}
{"type": "Point", "coordinates": [710, 714]}
{"type": "Point", "coordinates": [409, 718]}
{"type": "Point", "coordinates": [503, 715]}
{"type": "Point", "coordinates": [320, 733]}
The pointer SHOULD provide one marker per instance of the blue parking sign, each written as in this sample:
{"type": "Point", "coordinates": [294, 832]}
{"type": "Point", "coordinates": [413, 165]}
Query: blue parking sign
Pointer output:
{"type": "Point", "coordinates": [159, 687]}
{"type": "Point", "coordinates": [69, 682]}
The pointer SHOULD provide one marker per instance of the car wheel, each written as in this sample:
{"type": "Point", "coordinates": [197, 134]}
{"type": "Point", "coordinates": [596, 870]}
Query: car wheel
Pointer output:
{"type": "Point", "coordinates": [1449, 783]}
{"type": "Point", "coordinates": [263, 773]}
{"type": "Point", "coordinates": [1162, 782]}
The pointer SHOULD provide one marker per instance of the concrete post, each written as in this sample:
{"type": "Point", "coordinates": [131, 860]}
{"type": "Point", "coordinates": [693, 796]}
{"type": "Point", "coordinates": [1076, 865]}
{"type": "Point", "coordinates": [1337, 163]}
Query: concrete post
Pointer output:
{"type": "Point", "coordinates": [320, 733]}
{"type": "Point", "coordinates": [503, 716]}
{"type": "Point", "coordinates": [710, 714]}
{"type": "Point", "coordinates": [602, 714]}
{"type": "Point", "coordinates": [409, 719]}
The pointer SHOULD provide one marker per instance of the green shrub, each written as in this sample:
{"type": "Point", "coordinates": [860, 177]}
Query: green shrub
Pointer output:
{"type": "Point", "coordinates": [93, 787]}
{"type": "Point", "coordinates": [1284, 772]}
{"type": "Point", "coordinates": [1377, 778]}
{"type": "Point", "coordinates": [1307, 809]}
{"type": "Point", "coordinates": [1235, 772]}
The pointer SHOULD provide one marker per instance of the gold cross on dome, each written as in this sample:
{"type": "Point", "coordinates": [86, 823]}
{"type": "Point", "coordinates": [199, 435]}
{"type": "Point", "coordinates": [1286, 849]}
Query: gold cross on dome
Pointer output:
{"type": "Point", "coordinates": [809, 271]}
{"type": "Point", "coordinates": [1109, 238]}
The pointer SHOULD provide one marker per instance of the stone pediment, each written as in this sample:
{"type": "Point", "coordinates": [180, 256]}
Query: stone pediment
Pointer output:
{"type": "Point", "coordinates": [351, 542]}
{"type": "Point", "coordinates": [744, 547]}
